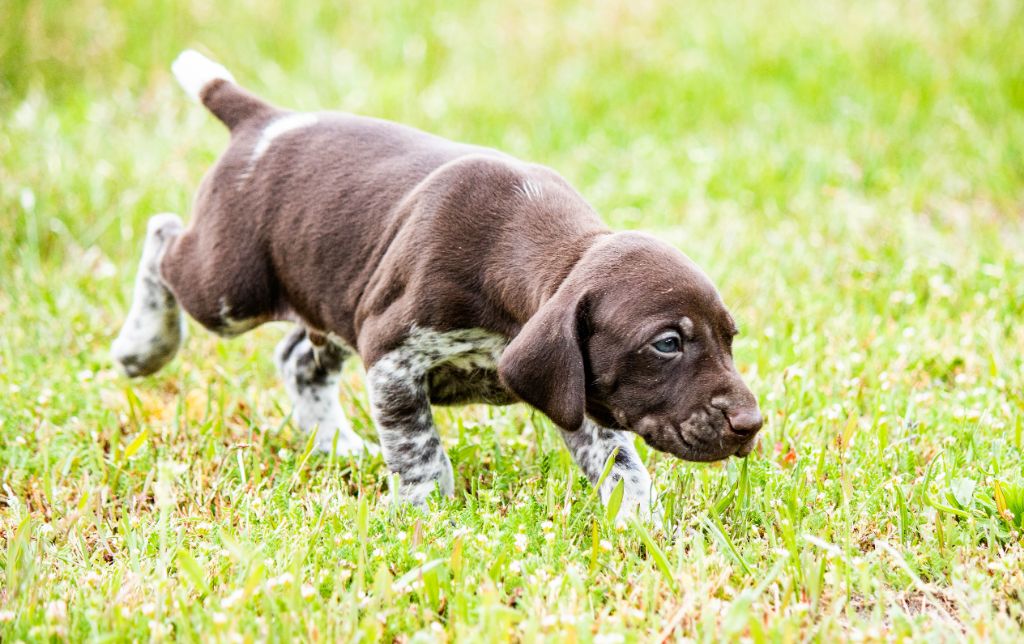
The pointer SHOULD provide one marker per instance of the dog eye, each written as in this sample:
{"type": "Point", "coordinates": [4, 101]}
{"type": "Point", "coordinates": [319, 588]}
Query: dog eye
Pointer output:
{"type": "Point", "coordinates": [667, 344]}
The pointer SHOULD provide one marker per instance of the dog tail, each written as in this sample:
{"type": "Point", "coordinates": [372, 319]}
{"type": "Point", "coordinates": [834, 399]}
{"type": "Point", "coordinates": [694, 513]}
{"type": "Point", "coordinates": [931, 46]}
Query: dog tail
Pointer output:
{"type": "Point", "coordinates": [211, 84]}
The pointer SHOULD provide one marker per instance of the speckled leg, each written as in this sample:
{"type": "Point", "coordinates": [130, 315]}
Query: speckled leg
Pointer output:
{"type": "Point", "coordinates": [155, 327]}
{"type": "Point", "coordinates": [590, 447]}
{"type": "Point", "coordinates": [311, 373]}
{"type": "Point", "coordinates": [400, 400]}
{"type": "Point", "coordinates": [410, 442]}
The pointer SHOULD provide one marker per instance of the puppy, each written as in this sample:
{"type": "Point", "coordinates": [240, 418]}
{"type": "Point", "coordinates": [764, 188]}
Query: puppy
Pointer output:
{"type": "Point", "coordinates": [458, 274]}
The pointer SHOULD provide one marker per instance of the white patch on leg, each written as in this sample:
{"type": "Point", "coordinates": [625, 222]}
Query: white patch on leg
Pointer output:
{"type": "Point", "coordinates": [401, 408]}
{"type": "Point", "coordinates": [313, 391]}
{"type": "Point", "coordinates": [194, 71]}
{"type": "Point", "coordinates": [155, 326]}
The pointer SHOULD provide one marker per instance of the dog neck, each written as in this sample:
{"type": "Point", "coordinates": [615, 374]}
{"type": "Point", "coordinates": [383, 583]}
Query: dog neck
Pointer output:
{"type": "Point", "coordinates": [541, 261]}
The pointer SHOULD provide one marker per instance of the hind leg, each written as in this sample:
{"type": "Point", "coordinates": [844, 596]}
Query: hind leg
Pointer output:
{"type": "Point", "coordinates": [155, 328]}
{"type": "Point", "coordinates": [311, 373]}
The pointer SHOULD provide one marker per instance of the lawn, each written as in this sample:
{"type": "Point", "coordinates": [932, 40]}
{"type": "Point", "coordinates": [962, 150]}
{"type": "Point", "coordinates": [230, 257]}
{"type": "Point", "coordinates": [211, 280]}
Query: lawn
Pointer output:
{"type": "Point", "coordinates": [851, 175]}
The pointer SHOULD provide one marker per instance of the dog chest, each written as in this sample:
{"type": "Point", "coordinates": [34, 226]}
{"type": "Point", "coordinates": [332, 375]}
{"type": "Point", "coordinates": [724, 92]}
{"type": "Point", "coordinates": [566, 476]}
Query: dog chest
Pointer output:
{"type": "Point", "coordinates": [461, 366]}
{"type": "Point", "coordinates": [450, 385]}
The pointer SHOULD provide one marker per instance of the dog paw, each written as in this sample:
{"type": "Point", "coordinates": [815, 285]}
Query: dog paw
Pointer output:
{"type": "Point", "coordinates": [141, 350]}
{"type": "Point", "coordinates": [346, 446]}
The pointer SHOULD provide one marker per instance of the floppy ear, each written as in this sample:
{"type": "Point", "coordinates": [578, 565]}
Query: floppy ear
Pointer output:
{"type": "Point", "coordinates": [544, 365]}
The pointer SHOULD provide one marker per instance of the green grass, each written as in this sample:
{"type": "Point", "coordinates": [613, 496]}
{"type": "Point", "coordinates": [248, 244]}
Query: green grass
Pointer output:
{"type": "Point", "coordinates": [850, 174]}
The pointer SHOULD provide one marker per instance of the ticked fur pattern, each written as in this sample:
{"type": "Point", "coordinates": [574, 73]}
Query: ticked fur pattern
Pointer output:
{"type": "Point", "coordinates": [400, 404]}
{"type": "Point", "coordinates": [155, 326]}
{"type": "Point", "coordinates": [311, 373]}
{"type": "Point", "coordinates": [400, 399]}
{"type": "Point", "coordinates": [591, 445]}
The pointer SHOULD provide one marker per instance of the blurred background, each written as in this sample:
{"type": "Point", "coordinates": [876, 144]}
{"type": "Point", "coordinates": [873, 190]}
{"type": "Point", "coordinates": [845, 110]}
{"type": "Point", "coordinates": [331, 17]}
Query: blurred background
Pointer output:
{"type": "Point", "coordinates": [662, 112]}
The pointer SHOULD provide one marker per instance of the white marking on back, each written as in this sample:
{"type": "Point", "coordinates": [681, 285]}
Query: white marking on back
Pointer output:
{"type": "Point", "coordinates": [528, 189]}
{"type": "Point", "coordinates": [194, 71]}
{"type": "Point", "coordinates": [275, 129]}
{"type": "Point", "coordinates": [278, 127]}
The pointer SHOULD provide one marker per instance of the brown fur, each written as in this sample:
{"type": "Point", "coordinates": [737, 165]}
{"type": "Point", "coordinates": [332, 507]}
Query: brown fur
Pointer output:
{"type": "Point", "coordinates": [364, 229]}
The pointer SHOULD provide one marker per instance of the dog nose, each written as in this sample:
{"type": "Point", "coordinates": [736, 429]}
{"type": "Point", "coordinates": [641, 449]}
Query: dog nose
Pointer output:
{"type": "Point", "coordinates": [745, 422]}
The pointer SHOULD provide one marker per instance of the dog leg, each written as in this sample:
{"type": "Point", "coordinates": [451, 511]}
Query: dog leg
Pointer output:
{"type": "Point", "coordinates": [311, 373]}
{"type": "Point", "coordinates": [410, 442]}
{"type": "Point", "coordinates": [155, 327]}
{"type": "Point", "coordinates": [590, 447]}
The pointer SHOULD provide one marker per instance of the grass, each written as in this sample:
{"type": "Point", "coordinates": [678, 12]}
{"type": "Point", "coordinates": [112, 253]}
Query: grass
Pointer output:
{"type": "Point", "coordinates": [850, 174]}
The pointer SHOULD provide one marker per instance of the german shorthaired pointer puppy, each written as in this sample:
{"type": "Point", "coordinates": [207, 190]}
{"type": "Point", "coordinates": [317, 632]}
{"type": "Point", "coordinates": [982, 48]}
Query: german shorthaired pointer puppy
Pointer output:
{"type": "Point", "coordinates": [458, 274]}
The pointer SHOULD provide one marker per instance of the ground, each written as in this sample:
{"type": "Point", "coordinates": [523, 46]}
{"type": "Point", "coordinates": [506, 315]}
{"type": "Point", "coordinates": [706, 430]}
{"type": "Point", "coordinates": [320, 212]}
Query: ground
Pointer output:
{"type": "Point", "coordinates": [851, 175]}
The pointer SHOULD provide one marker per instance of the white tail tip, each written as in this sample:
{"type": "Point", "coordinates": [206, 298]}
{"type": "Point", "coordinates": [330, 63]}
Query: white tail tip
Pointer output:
{"type": "Point", "coordinates": [194, 70]}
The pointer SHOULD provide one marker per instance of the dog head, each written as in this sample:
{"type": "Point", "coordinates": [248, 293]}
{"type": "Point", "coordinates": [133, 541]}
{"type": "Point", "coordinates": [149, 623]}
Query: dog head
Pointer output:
{"type": "Point", "coordinates": [637, 337]}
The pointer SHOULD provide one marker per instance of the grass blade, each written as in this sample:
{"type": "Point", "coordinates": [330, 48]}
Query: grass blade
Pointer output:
{"type": "Point", "coordinates": [656, 553]}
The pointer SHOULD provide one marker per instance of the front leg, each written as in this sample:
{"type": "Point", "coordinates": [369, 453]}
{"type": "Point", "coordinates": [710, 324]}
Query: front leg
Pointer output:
{"type": "Point", "coordinates": [409, 441]}
{"type": "Point", "coordinates": [590, 446]}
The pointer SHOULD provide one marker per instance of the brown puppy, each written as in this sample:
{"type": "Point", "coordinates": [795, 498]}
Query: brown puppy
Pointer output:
{"type": "Point", "coordinates": [458, 274]}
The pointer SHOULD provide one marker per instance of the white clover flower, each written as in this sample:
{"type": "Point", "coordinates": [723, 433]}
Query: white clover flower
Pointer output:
{"type": "Point", "coordinates": [521, 542]}
{"type": "Point", "coordinates": [57, 611]}
{"type": "Point", "coordinates": [794, 372]}
{"type": "Point", "coordinates": [159, 629]}
{"type": "Point", "coordinates": [232, 600]}
{"type": "Point", "coordinates": [281, 580]}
